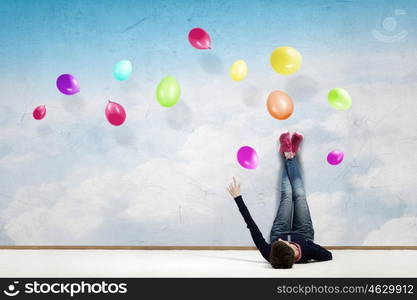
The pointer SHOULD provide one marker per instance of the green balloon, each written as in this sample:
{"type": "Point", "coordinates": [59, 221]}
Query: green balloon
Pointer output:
{"type": "Point", "coordinates": [339, 98]}
{"type": "Point", "coordinates": [168, 91]}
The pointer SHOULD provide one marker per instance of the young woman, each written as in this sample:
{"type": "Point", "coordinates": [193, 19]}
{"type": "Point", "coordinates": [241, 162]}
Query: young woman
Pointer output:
{"type": "Point", "coordinates": [292, 233]}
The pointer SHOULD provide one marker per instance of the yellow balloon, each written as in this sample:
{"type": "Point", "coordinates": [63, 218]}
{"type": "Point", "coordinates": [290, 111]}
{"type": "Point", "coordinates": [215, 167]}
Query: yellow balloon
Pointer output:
{"type": "Point", "coordinates": [286, 60]}
{"type": "Point", "coordinates": [239, 70]}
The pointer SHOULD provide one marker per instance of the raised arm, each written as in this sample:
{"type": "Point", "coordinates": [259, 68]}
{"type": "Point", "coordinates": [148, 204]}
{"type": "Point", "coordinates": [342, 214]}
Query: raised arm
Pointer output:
{"type": "Point", "coordinates": [258, 239]}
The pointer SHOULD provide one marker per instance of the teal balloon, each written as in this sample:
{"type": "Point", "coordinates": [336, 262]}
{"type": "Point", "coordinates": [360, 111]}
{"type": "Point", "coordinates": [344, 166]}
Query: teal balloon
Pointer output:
{"type": "Point", "coordinates": [122, 70]}
{"type": "Point", "coordinates": [168, 91]}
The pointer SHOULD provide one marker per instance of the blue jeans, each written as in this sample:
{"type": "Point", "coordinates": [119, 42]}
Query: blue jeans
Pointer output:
{"type": "Point", "coordinates": [293, 216]}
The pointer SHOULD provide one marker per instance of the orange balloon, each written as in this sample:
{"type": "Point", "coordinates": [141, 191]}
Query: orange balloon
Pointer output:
{"type": "Point", "coordinates": [280, 105]}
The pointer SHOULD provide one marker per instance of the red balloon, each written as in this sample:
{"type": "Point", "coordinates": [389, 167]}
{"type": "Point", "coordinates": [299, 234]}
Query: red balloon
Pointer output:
{"type": "Point", "coordinates": [39, 112]}
{"type": "Point", "coordinates": [199, 38]}
{"type": "Point", "coordinates": [115, 113]}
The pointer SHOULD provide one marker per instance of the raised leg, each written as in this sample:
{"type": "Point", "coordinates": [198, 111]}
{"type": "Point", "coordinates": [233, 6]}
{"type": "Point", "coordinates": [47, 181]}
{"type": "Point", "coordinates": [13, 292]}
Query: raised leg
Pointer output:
{"type": "Point", "coordinates": [283, 219]}
{"type": "Point", "coordinates": [302, 223]}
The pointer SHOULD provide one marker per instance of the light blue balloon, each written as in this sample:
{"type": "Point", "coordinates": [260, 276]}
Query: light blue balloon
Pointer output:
{"type": "Point", "coordinates": [122, 70]}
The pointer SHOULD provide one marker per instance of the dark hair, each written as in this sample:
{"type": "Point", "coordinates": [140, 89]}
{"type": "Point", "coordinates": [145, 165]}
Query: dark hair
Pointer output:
{"type": "Point", "coordinates": [282, 256]}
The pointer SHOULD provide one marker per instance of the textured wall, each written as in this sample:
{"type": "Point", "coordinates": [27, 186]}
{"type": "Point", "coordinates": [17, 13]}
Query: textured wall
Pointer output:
{"type": "Point", "coordinates": [160, 178]}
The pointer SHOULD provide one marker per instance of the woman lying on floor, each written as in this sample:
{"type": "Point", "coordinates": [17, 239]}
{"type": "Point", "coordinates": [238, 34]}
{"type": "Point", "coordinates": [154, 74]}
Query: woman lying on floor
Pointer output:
{"type": "Point", "coordinates": [292, 233]}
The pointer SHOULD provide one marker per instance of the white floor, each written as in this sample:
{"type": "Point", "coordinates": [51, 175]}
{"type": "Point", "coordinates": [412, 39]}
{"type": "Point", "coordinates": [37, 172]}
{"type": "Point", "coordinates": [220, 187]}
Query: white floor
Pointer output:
{"type": "Point", "coordinates": [187, 263]}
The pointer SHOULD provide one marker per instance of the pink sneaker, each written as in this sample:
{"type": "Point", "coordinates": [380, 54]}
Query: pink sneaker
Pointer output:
{"type": "Point", "coordinates": [285, 142]}
{"type": "Point", "coordinates": [296, 140]}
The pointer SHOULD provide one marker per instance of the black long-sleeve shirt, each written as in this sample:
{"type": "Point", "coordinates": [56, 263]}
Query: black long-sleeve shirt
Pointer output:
{"type": "Point", "coordinates": [309, 250]}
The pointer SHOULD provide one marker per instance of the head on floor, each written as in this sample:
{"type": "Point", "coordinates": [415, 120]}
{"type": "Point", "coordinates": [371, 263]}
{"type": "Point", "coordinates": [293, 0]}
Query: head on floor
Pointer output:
{"type": "Point", "coordinates": [282, 256]}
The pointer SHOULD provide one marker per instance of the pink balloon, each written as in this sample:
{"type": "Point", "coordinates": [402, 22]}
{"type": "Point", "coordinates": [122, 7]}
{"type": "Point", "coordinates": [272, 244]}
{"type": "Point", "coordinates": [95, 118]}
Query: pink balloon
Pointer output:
{"type": "Point", "coordinates": [335, 157]}
{"type": "Point", "coordinates": [247, 157]}
{"type": "Point", "coordinates": [115, 113]}
{"type": "Point", "coordinates": [199, 38]}
{"type": "Point", "coordinates": [39, 112]}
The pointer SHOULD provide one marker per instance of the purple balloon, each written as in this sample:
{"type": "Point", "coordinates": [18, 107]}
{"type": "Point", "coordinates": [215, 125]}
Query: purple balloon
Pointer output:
{"type": "Point", "coordinates": [335, 157]}
{"type": "Point", "coordinates": [247, 157]}
{"type": "Point", "coordinates": [67, 84]}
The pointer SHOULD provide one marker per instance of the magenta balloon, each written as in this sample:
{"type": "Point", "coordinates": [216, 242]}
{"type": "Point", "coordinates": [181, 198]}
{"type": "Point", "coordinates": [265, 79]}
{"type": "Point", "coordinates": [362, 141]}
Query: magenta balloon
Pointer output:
{"type": "Point", "coordinates": [67, 84]}
{"type": "Point", "coordinates": [247, 157]}
{"type": "Point", "coordinates": [199, 38]}
{"type": "Point", "coordinates": [39, 112]}
{"type": "Point", "coordinates": [115, 113]}
{"type": "Point", "coordinates": [335, 157]}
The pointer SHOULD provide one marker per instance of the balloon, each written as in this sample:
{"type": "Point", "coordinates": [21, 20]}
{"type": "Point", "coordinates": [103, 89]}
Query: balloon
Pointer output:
{"type": "Point", "coordinates": [280, 105]}
{"type": "Point", "coordinates": [39, 112]}
{"type": "Point", "coordinates": [122, 70]}
{"type": "Point", "coordinates": [199, 38]}
{"type": "Point", "coordinates": [335, 157]}
{"type": "Point", "coordinates": [238, 70]}
{"type": "Point", "coordinates": [168, 91]}
{"type": "Point", "coordinates": [67, 84]}
{"type": "Point", "coordinates": [115, 113]}
{"type": "Point", "coordinates": [286, 60]}
{"type": "Point", "coordinates": [339, 98]}
{"type": "Point", "coordinates": [247, 157]}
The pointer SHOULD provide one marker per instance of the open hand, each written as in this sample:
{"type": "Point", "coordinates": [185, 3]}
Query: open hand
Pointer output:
{"type": "Point", "coordinates": [234, 188]}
